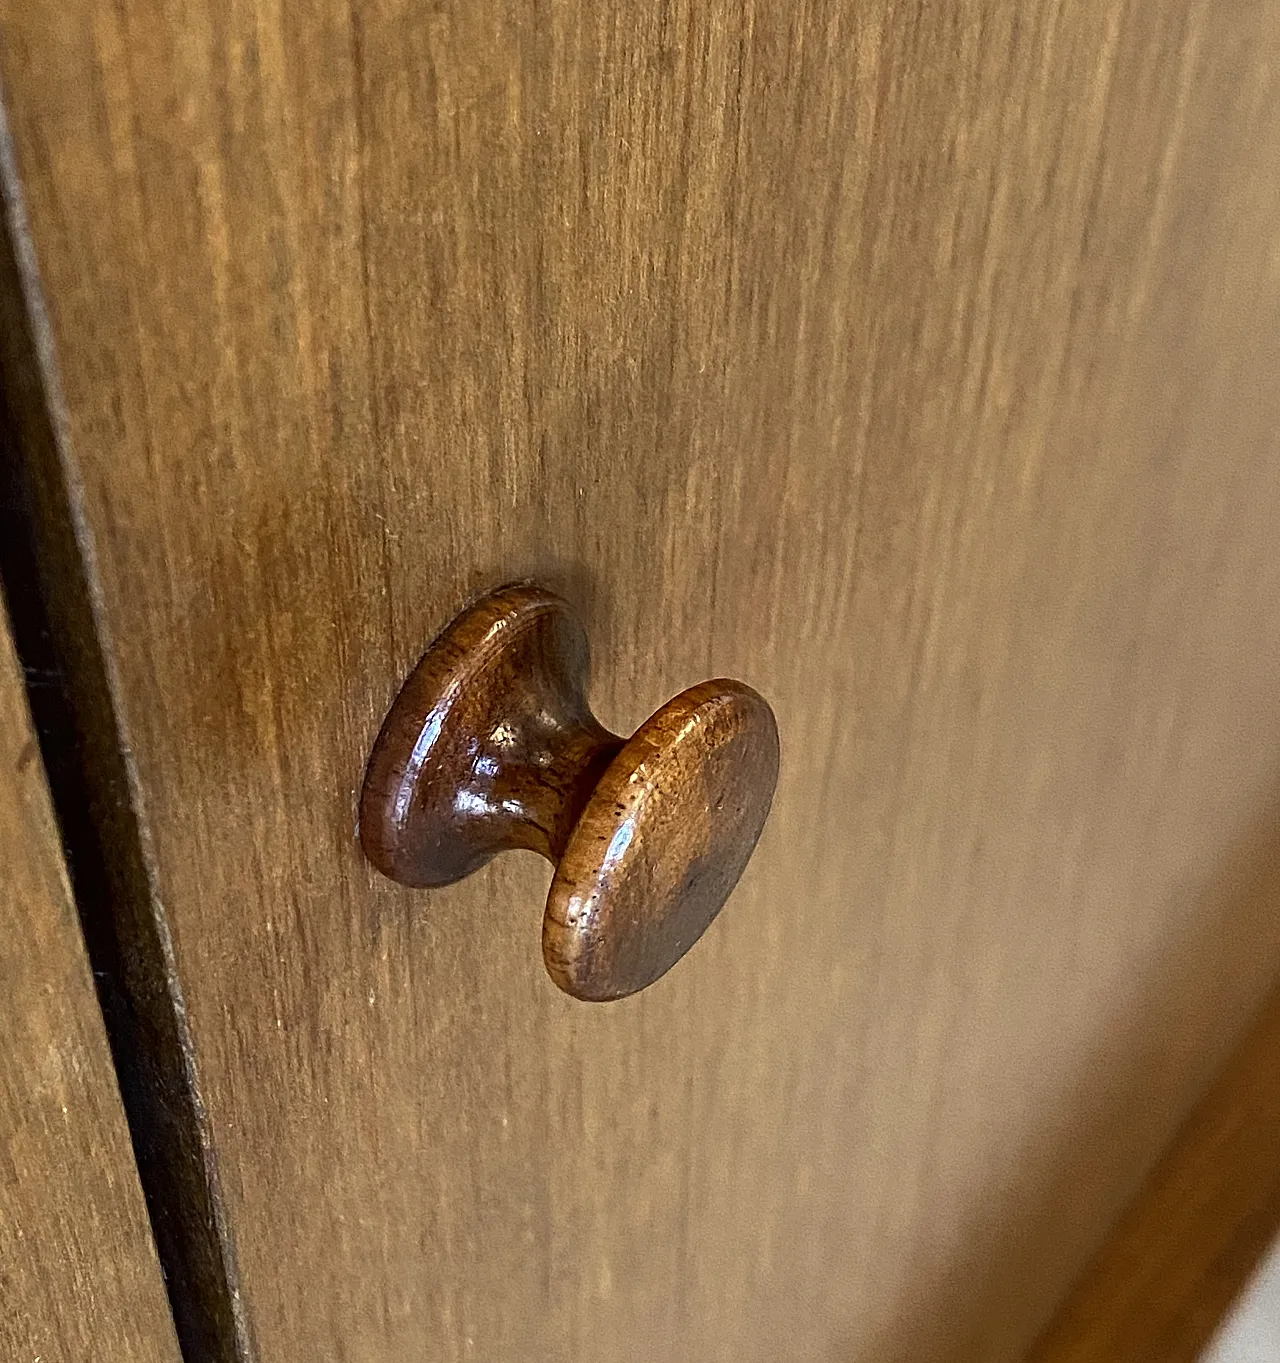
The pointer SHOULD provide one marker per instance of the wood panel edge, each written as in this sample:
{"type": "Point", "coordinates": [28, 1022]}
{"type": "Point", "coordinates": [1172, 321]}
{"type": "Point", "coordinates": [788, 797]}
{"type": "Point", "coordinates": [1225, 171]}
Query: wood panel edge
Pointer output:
{"type": "Point", "coordinates": [1186, 1247]}
{"type": "Point", "coordinates": [47, 577]}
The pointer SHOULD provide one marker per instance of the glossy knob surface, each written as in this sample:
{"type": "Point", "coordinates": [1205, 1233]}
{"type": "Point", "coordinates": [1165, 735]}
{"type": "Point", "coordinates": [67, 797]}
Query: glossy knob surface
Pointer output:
{"type": "Point", "coordinates": [491, 745]}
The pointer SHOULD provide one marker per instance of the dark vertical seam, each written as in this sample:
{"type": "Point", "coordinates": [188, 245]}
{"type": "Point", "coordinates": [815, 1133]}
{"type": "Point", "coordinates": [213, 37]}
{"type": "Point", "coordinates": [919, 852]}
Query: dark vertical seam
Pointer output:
{"type": "Point", "coordinates": [48, 576]}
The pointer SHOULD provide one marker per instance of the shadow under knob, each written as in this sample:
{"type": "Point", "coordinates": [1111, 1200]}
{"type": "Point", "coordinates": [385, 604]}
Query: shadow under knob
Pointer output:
{"type": "Point", "coordinates": [491, 745]}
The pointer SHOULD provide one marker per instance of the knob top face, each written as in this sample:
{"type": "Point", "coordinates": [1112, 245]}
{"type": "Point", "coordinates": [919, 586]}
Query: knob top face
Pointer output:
{"type": "Point", "coordinates": [661, 842]}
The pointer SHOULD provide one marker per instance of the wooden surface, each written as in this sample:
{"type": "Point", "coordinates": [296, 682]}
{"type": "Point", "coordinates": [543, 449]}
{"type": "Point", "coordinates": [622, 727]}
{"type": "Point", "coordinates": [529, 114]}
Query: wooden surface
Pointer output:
{"type": "Point", "coordinates": [79, 1278]}
{"type": "Point", "coordinates": [55, 618]}
{"type": "Point", "coordinates": [916, 364]}
{"type": "Point", "coordinates": [1181, 1255]}
{"type": "Point", "coordinates": [663, 841]}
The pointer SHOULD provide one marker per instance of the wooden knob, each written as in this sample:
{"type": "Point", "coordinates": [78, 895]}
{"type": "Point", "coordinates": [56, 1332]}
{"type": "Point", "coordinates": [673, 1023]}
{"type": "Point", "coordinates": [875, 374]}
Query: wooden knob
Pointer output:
{"type": "Point", "coordinates": [491, 745]}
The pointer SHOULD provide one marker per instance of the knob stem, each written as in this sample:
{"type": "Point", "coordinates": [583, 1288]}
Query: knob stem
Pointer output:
{"type": "Point", "coordinates": [531, 780]}
{"type": "Point", "coordinates": [489, 746]}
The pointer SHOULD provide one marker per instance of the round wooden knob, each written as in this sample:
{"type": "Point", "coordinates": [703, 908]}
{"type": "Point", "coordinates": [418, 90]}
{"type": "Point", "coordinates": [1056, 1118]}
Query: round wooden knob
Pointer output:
{"type": "Point", "coordinates": [491, 745]}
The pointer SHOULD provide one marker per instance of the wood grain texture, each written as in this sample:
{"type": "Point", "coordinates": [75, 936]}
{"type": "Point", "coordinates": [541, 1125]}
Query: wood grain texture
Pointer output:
{"type": "Point", "coordinates": [913, 363]}
{"type": "Point", "coordinates": [663, 841]}
{"type": "Point", "coordinates": [55, 617]}
{"type": "Point", "coordinates": [1184, 1251]}
{"type": "Point", "coordinates": [79, 1278]}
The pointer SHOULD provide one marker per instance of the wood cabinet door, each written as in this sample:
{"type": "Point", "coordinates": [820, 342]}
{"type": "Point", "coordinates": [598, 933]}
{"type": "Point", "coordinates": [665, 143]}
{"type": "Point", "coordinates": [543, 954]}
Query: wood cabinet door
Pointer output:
{"type": "Point", "coordinates": [79, 1278]}
{"type": "Point", "coordinates": [915, 364]}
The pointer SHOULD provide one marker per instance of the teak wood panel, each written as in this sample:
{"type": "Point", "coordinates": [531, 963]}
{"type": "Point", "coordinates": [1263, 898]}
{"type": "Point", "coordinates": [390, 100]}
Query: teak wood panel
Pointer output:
{"type": "Point", "coordinates": [79, 1278]}
{"type": "Point", "coordinates": [914, 363]}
